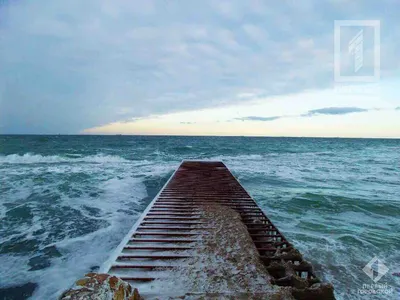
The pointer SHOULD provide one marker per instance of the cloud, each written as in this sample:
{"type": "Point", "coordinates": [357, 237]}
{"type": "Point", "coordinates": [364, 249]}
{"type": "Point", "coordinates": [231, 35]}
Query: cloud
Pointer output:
{"type": "Point", "coordinates": [256, 33]}
{"type": "Point", "coordinates": [187, 123]}
{"type": "Point", "coordinates": [64, 69]}
{"type": "Point", "coordinates": [335, 111]}
{"type": "Point", "coordinates": [256, 118]}
{"type": "Point", "coordinates": [321, 111]}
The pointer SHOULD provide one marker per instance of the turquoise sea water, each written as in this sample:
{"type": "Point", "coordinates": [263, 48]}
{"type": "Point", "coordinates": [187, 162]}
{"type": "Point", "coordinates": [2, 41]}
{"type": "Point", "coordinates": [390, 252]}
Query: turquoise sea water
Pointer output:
{"type": "Point", "coordinates": [67, 201]}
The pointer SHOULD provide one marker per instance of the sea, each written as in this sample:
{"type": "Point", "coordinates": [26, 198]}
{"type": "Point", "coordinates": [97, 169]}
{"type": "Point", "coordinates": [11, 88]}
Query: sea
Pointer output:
{"type": "Point", "coordinates": [67, 201]}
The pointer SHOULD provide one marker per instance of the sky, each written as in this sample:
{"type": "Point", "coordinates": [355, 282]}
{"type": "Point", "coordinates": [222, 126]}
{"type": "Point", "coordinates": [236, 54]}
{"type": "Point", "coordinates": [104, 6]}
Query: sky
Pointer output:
{"type": "Point", "coordinates": [251, 67]}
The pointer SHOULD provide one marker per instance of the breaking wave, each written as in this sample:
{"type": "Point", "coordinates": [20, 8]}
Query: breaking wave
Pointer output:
{"type": "Point", "coordinates": [31, 158]}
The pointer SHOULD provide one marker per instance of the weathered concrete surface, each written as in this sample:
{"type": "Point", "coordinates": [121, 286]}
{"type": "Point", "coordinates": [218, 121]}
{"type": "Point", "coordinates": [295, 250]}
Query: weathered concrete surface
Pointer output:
{"type": "Point", "coordinates": [227, 264]}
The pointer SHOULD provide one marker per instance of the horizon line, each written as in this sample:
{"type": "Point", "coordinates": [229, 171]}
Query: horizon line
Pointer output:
{"type": "Point", "coordinates": [178, 135]}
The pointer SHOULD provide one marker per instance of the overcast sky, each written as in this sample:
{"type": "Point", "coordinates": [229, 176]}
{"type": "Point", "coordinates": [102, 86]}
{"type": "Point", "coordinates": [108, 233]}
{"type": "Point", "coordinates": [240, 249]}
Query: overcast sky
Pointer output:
{"type": "Point", "coordinates": [195, 67]}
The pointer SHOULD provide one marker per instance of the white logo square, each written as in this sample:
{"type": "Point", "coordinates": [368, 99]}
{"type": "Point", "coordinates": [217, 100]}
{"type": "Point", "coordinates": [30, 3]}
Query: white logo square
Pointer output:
{"type": "Point", "coordinates": [354, 52]}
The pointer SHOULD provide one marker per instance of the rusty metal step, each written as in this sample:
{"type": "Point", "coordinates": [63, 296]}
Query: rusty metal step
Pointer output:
{"type": "Point", "coordinates": [162, 257]}
{"type": "Point", "coordinates": [164, 248]}
{"type": "Point", "coordinates": [142, 267]}
{"type": "Point", "coordinates": [172, 218]}
{"type": "Point", "coordinates": [142, 240]}
{"type": "Point", "coordinates": [142, 279]}
{"type": "Point", "coordinates": [173, 223]}
{"type": "Point", "coordinates": [166, 233]}
{"type": "Point", "coordinates": [173, 228]}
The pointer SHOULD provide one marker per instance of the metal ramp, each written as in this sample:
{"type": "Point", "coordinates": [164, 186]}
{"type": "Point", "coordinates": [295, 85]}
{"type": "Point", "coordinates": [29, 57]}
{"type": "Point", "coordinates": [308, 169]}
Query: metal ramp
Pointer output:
{"type": "Point", "coordinates": [172, 226]}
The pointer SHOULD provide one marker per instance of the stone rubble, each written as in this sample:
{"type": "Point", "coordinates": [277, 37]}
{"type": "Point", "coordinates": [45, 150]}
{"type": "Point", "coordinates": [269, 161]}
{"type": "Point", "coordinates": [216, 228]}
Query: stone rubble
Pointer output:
{"type": "Point", "coordinates": [101, 287]}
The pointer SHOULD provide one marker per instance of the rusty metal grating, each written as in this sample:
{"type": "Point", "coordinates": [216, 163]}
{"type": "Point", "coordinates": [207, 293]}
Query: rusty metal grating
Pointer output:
{"type": "Point", "coordinates": [171, 225]}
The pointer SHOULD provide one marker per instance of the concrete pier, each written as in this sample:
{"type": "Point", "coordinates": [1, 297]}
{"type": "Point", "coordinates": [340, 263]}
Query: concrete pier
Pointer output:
{"type": "Point", "coordinates": [173, 227]}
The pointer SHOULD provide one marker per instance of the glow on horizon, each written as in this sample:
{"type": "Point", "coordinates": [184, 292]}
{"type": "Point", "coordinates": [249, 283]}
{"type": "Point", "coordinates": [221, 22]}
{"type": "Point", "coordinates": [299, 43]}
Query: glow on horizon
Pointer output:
{"type": "Point", "coordinates": [289, 110]}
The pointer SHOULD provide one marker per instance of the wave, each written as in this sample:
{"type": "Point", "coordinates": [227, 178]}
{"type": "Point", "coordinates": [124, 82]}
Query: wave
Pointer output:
{"type": "Point", "coordinates": [240, 157]}
{"type": "Point", "coordinates": [30, 158]}
{"type": "Point", "coordinates": [185, 148]}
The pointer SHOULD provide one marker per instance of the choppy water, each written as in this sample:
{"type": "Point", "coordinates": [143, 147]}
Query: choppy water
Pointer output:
{"type": "Point", "coordinates": [67, 201]}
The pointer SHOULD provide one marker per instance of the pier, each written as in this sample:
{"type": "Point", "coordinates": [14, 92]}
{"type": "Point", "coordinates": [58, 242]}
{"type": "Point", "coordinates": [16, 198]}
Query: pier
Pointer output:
{"type": "Point", "coordinates": [173, 227]}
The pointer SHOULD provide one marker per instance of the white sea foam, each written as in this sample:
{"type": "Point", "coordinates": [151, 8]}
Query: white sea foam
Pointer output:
{"type": "Point", "coordinates": [30, 158]}
{"type": "Point", "coordinates": [243, 157]}
{"type": "Point", "coordinates": [118, 189]}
